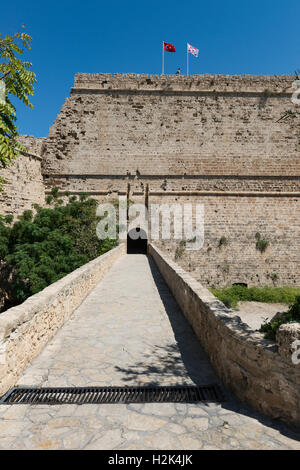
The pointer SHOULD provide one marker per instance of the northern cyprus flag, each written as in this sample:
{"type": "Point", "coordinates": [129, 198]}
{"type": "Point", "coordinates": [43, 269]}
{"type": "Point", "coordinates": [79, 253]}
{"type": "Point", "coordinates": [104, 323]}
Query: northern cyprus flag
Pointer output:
{"type": "Point", "coordinates": [192, 50]}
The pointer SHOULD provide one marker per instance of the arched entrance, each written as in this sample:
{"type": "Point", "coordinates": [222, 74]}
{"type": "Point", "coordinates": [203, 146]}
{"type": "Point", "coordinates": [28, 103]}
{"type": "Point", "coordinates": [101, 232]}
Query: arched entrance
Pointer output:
{"type": "Point", "coordinates": [137, 241]}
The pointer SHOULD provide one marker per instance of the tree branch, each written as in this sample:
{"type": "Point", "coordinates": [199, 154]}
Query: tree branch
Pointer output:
{"type": "Point", "coordinates": [4, 76]}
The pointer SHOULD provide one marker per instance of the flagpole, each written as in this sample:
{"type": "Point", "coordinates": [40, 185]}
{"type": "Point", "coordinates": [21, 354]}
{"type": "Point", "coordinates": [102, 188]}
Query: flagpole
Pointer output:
{"type": "Point", "coordinates": [163, 65]}
{"type": "Point", "coordinates": [187, 61]}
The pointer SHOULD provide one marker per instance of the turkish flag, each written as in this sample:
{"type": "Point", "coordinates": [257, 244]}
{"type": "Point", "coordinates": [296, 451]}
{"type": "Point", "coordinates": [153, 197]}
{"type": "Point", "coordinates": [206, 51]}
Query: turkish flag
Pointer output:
{"type": "Point", "coordinates": [169, 47]}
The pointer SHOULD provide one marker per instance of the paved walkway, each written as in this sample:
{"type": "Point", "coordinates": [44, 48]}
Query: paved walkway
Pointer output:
{"type": "Point", "coordinates": [130, 331]}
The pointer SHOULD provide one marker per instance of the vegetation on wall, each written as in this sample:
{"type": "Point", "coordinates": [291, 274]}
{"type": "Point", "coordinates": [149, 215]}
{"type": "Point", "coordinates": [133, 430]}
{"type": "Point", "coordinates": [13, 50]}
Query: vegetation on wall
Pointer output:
{"type": "Point", "coordinates": [261, 244]}
{"type": "Point", "coordinates": [291, 114]}
{"type": "Point", "coordinates": [223, 241]}
{"type": "Point", "coordinates": [40, 249]}
{"type": "Point", "coordinates": [180, 249]}
{"type": "Point", "coordinates": [267, 92]}
{"type": "Point", "coordinates": [274, 277]}
{"type": "Point", "coordinates": [18, 80]}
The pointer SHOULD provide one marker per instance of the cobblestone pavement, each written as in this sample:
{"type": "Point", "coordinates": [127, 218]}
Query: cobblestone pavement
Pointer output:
{"type": "Point", "coordinates": [130, 331]}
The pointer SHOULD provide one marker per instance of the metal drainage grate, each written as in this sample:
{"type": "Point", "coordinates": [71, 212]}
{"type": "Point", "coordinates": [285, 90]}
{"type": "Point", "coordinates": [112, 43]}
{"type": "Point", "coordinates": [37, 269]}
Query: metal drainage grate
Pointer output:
{"type": "Point", "coordinates": [81, 395]}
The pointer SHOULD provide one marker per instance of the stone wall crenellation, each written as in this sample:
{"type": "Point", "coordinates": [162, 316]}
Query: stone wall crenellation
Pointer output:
{"type": "Point", "coordinates": [205, 82]}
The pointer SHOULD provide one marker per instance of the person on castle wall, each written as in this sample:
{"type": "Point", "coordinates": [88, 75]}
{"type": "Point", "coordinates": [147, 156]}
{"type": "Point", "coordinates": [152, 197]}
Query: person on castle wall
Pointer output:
{"type": "Point", "coordinates": [178, 71]}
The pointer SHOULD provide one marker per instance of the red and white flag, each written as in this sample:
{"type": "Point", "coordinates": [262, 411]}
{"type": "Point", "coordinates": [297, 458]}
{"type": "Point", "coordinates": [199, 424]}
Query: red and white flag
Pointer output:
{"type": "Point", "coordinates": [192, 50]}
{"type": "Point", "coordinates": [169, 47]}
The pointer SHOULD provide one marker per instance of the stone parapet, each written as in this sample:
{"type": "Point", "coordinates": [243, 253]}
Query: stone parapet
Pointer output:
{"type": "Point", "coordinates": [26, 329]}
{"type": "Point", "coordinates": [204, 83]}
{"type": "Point", "coordinates": [248, 364]}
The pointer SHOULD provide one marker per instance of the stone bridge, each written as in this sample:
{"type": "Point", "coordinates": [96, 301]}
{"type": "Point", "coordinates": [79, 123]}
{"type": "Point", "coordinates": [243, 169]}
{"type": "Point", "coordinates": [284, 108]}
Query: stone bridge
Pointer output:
{"type": "Point", "coordinates": [134, 320]}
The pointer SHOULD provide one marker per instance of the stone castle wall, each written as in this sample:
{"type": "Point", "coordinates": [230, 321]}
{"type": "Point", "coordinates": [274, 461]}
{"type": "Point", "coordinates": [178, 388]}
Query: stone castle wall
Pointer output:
{"type": "Point", "coordinates": [216, 140]}
{"type": "Point", "coordinates": [176, 128]}
{"type": "Point", "coordinates": [25, 185]}
{"type": "Point", "coordinates": [229, 253]}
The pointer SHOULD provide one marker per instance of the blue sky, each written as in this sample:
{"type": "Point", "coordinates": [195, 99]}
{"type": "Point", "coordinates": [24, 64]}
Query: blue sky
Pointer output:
{"type": "Point", "coordinates": [234, 37]}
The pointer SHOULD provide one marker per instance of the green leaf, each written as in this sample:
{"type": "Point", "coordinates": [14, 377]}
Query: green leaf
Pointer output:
{"type": "Point", "coordinates": [19, 82]}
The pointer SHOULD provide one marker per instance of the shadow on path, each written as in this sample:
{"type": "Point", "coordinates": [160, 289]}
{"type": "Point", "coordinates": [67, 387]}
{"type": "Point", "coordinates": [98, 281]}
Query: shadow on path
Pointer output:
{"type": "Point", "coordinates": [181, 362]}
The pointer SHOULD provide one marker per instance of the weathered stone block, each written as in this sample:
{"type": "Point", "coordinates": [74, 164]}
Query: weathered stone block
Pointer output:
{"type": "Point", "coordinates": [285, 337]}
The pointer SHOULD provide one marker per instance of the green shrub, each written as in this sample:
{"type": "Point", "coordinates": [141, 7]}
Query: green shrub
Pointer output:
{"type": "Point", "coordinates": [42, 248]}
{"type": "Point", "coordinates": [292, 315]}
{"type": "Point", "coordinates": [262, 245]}
{"type": "Point", "coordinates": [230, 296]}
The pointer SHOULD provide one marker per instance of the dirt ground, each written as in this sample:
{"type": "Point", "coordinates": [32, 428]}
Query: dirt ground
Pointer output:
{"type": "Point", "coordinates": [255, 313]}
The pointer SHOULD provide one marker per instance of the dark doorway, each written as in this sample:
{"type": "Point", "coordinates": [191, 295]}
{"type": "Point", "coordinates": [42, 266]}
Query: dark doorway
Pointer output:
{"type": "Point", "coordinates": [138, 245]}
{"type": "Point", "coordinates": [242, 284]}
